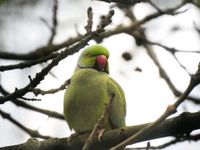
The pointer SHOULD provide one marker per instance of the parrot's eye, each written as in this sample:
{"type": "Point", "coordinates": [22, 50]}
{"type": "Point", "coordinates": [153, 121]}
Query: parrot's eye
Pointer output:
{"type": "Point", "coordinates": [87, 55]}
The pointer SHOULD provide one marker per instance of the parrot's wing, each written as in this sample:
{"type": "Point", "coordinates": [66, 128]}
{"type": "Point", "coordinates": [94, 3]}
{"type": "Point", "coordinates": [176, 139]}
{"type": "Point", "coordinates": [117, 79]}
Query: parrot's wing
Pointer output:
{"type": "Point", "coordinates": [118, 106]}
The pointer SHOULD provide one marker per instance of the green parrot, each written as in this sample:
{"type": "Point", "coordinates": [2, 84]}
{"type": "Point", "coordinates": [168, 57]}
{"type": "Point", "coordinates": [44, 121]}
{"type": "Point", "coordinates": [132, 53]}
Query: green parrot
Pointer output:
{"type": "Point", "coordinates": [90, 90]}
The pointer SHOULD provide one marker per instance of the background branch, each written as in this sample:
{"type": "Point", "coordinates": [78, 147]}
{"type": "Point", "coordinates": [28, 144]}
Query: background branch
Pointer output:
{"type": "Point", "coordinates": [22, 104]}
{"type": "Point", "coordinates": [41, 51]}
{"type": "Point", "coordinates": [63, 54]}
{"type": "Point", "coordinates": [26, 64]}
{"type": "Point", "coordinates": [178, 139]}
{"type": "Point", "coordinates": [32, 133]}
{"type": "Point", "coordinates": [171, 109]}
{"type": "Point", "coordinates": [125, 2]}
{"type": "Point", "coordinates": [54, 22]}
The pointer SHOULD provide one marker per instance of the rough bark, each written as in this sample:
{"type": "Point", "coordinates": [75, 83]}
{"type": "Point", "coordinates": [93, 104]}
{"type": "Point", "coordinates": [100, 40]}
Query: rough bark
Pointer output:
{"type": "Point", "coordinates": [177, 126]}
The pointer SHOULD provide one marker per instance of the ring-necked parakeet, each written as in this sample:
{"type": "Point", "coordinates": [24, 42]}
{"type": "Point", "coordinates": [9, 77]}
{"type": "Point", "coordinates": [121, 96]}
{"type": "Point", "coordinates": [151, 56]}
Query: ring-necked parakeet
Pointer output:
{"type": "Point", "coordinates": [90, 90]}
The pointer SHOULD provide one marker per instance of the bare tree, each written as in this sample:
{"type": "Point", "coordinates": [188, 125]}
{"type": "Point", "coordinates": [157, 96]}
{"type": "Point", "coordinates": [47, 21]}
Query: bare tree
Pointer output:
{"type": "Point", "coordinates": [49, 56]}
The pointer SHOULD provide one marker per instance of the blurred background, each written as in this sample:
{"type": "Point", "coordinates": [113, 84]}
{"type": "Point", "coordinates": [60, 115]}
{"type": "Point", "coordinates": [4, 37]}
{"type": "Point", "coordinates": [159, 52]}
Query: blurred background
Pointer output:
{"type": "Point", "coordinates": [25, 26]}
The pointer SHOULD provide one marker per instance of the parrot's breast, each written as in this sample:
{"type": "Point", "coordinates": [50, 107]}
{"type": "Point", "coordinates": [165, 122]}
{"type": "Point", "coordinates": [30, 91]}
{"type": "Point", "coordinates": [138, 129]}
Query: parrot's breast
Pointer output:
{"type": "Point", "coordinates": [85, 99]}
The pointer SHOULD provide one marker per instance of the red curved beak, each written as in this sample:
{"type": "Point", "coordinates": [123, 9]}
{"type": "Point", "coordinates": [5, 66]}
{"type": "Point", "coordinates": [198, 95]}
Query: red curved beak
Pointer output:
{"type": "Point", "coordinates": [101, 62]}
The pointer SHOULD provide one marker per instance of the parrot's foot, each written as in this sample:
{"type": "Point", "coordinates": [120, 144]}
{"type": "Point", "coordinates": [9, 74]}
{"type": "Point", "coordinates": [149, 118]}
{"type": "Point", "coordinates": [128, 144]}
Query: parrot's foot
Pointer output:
{"type": "Point", "coordinates": [69, 139]}
{"type": "Point", "coordinates": [100, 134]}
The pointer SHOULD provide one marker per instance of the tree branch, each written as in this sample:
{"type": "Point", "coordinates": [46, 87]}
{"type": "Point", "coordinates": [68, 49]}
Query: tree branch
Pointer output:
{"type": "Point", "coordinates": [49, 113]}
{"type": "Point", "coordinates": [171, 109]}
{"type": "Point", "coordinates": [26, 64]}
{"type": "Point", "coordinates": [141, 37]}
{"type": "Point", "coordinates": [68, 51]}
{"type": "Point", "coordinates": [17, 102]}
{"type": "Point", "coordinates": [40, 76]}
{"type": "Point", "coordinates": [135, 25]}
{"type": "Point", "coordinates": [181, 125]}
{"type": "Point", "coordinates": [178, 139]}
{"type": "Point", "coordinates": [125, 2]}
{"type": "Point", "coordinates": [32, 133]}
{"type": "Point", "coordinates": [41, 51]}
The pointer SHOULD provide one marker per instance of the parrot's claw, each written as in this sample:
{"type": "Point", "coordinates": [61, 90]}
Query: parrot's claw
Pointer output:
{"type": "Point", "coordinates": [69, 139]}
{"type": "Point", "coordinates": [100, 134]}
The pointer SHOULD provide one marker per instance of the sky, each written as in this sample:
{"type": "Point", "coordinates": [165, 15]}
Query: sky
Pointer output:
{"type": "Point", "coordinates": [147, 94]}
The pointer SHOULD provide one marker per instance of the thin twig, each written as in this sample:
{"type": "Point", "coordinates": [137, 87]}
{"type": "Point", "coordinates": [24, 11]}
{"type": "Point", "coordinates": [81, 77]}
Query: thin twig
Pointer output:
{"type": "Point", "coordinates": [171, 109]}
{"type": "Point", "coordinates": [156, 7]}
{"type": "Point", "coordinates": [30, 99]}
{"type": "Point", "coordinates": [164, 75]}
{"type": "Point", "coordinates": [105, 20]}
{"type": "Point", "coordinates": [54, 22]}
{"type": "Point", "coordinates": [98, 125]}
{"type": "Point", "coordinates": [197, 28]}
{"type": "Point", "coordinates": [169, 49]}
{"type": "Point", "coordinates": [89, 25]}
{"type": "Point", "coordinates": [37, 91]}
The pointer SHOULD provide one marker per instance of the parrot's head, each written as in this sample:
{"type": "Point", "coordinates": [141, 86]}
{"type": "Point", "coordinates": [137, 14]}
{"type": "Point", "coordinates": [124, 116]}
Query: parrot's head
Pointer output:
{"type": "Point", "coordinates": [95, 57]}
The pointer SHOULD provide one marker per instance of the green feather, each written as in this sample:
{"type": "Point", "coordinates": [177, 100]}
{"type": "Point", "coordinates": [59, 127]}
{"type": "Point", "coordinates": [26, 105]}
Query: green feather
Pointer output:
{"type": "Point", "coordinates": [89, 92]}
